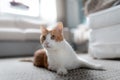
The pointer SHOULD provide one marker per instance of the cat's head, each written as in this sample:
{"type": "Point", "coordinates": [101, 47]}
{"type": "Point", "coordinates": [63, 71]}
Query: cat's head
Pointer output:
{"type": "Point", "coordinates": [52, 38]}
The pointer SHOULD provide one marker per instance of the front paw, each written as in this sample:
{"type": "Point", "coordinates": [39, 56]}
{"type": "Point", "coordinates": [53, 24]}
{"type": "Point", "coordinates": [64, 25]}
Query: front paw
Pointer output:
{"type": "Point", "coordinates": [62, 71]}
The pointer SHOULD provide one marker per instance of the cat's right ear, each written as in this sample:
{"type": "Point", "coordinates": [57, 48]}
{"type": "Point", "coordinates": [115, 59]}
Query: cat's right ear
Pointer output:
{"type": "Point", "coordinates": [43, 29]}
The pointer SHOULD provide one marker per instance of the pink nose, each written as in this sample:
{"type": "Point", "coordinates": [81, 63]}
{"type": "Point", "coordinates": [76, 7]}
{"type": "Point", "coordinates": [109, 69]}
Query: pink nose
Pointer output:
{"type": "Point", "coordinates": [46, 43]}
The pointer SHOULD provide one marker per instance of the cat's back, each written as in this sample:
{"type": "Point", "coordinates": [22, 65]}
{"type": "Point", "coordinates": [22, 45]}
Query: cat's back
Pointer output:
{"type": "Point", "coordinates": [66, 47]}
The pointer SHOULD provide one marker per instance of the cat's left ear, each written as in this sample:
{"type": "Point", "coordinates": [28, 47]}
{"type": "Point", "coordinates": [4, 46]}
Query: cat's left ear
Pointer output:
{"type": "Point", "coordinates": [59, 27]}
{"type": "Point", "coordinates": [43, 29]}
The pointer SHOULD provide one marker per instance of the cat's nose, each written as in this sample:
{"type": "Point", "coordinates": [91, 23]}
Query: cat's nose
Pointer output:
{"type": "Point", "coordinates": [46, 43]}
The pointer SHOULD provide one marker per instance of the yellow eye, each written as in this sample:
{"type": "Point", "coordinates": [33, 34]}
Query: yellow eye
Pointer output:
{"type": "Point", "coordinates": [53, 37]}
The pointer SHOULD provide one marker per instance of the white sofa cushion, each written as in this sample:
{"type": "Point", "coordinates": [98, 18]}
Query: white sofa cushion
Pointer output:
{"type": "Point", "coordinates": [32, 34]}
{"type": "Point", "coordinates": [11, 34]}
{"type": "Point", "coordinates": [28, 24]}
{"type": "Point", "coordinates": [105, 18]}
{"type": "Point", "coordinates": [19, 34]}
{"type": "Point", "coordinates": [7, 22]}
{"type": "Point", "coordinates": [105, 35]}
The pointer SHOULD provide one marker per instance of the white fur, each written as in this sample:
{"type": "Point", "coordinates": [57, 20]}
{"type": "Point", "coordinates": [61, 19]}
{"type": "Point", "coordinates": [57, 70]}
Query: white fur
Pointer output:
{"type": "Point", "coordinates": [62, 57]}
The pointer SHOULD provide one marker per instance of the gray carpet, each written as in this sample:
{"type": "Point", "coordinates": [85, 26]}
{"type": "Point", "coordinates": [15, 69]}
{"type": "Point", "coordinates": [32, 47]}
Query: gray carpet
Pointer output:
{"type": "Point", "coordinates": [12, 69]}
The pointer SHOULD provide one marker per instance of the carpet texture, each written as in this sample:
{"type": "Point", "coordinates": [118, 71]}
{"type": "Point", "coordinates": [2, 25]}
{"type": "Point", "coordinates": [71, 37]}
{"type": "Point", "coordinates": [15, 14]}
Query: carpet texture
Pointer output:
{"type": "Point", "coordinates": [13, 69]}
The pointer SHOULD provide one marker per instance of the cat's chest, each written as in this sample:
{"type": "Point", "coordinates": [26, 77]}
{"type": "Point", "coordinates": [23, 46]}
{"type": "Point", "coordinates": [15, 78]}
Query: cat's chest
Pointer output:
{"type": "Point", "coordinates": [60, 57]}
{"type": "Point", "coordinates": [56, 56]}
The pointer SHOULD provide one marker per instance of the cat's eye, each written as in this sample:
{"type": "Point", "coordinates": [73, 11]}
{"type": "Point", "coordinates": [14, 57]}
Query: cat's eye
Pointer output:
{"type": "Point", "coordinates": [43, 37]}
{"type": "Point", "coordinates": [53, 37]}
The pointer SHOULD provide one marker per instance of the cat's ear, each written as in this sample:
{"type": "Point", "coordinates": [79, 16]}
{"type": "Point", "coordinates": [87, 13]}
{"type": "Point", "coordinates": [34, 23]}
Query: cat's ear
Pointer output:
{"type": "Point", "coordinates": [59, 27]}
{"type": "Point", "coordinates": [43, 29]}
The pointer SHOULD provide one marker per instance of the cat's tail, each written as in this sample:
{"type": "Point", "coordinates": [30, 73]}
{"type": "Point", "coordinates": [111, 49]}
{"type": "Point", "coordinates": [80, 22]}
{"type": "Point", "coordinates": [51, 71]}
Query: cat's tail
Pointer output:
{"type": "Point", "coordinates": [87, 64]}
{"type": "Point", "coordinates": [26, 60]}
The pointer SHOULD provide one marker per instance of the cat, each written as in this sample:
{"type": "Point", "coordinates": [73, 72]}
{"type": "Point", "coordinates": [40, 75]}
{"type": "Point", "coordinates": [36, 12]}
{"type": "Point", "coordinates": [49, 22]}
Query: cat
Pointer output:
{"type": "Point", "coordinates": [60, 55]}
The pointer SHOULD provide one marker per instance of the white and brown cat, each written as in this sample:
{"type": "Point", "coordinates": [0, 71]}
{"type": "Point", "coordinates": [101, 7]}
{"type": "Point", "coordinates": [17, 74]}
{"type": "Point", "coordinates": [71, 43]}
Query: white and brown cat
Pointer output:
{"type": "Point", "coordinates": [58, 55]}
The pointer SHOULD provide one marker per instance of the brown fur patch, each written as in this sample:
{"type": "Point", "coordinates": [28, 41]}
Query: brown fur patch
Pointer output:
{"type": "Point", "coordinates": [43, 36]}
{"type": "Point", "coordinates": [57, 35]}
{"type": "Point", "coordinates": [40, 58]}
{"type": "Point", "coordinates": [44, 33]}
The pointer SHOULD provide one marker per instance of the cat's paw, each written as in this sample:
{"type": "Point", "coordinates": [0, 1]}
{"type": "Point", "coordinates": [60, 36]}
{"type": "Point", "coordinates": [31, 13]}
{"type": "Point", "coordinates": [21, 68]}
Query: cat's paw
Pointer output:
{"type": "Point", "coordinates": [62, 71]}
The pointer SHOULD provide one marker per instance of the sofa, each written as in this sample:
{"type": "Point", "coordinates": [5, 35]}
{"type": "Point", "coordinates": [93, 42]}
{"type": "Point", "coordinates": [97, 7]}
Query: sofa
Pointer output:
{"type": "Point", "coordinates": [18, 36]}
{"type": "Point", "coordinates": [104, 37]}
